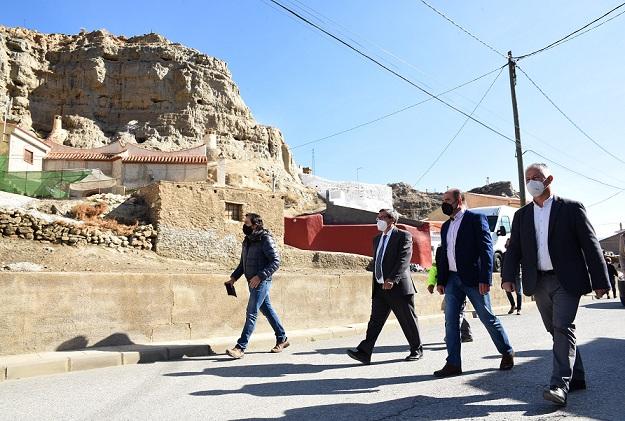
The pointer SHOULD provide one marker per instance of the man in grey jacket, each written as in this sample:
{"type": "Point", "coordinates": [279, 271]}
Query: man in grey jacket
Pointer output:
{"type": "Point", "coordinates": [259, 261]}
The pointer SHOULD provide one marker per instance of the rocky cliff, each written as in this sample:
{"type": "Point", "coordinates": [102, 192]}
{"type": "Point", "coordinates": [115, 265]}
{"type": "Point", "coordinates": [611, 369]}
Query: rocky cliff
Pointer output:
{"type": "Point", "coordinates": [412, 203]}
{"type": "Point", "coordinates": [143, 89]}
{"type": "Point", "coordinates": [499, 188]}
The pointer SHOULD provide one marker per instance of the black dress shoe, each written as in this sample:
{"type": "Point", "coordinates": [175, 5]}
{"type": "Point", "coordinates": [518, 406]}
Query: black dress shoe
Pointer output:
{"type": "Point", "coordinates": [556, 395]}
{"type": "Point", "coordinates": [448, 370]}
{"type": "Point", "coordinates": [466, 339]}
{"type": "Point", "coordinates": [414, 356]}
{"type": "Point", "coordinates": [507, 362]}
{"type": "Point", "coordinates": [577, 385]}
{"type": "Point", "coordinates": [511, 310]}
{"type": "Point", "coordinates": [358, 355]}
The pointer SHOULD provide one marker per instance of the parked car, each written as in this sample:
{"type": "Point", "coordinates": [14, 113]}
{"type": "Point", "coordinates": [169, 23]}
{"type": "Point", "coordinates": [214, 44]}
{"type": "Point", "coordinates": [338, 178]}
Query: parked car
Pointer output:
{"type": "Point", "coordinates": [499, 223]}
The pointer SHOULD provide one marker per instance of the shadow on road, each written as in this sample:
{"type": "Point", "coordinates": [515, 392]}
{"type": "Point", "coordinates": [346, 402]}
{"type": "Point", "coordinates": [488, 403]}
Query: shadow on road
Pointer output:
{"type": "Point", "coordinates": [438, 346]}
{"type": "Point", "coordinates": [321, 386]}
{"type": "Point", "coordinates": [264, 370]}
{"type": "Point", "coordinates": [604, 305]}
{"type": "Point", "coordinates": [518, 391]}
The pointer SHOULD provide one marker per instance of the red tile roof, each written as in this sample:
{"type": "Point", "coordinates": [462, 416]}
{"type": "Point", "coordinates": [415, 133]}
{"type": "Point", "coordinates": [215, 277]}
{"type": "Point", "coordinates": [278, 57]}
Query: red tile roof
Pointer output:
{"type": "Point", "coordinates": [164, 159]}
{"type": "Point", "coordinates": [81, 156]}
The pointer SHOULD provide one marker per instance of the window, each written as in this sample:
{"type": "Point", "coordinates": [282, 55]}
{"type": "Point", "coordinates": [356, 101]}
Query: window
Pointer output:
{"type": "Point", "coordinates": [28, 156]}
{"type": "Point", "coordinates": [505, 222]}
{"type": "Point", "coordinates": [234, 211]}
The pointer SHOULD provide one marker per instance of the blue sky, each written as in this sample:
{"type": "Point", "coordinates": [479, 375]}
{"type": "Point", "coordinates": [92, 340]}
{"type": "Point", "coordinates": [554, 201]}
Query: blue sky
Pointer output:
{"type": "Point", "coordinates": [309, 86]}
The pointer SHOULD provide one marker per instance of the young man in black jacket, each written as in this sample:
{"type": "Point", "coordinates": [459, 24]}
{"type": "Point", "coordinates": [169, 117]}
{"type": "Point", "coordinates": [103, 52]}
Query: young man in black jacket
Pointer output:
{"type": "Point", "coordinates": [259, 261]}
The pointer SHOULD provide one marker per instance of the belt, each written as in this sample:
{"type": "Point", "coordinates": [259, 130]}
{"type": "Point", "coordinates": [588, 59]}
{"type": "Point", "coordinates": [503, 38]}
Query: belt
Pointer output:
{"type": "Point", "coordinates": [546, 272]}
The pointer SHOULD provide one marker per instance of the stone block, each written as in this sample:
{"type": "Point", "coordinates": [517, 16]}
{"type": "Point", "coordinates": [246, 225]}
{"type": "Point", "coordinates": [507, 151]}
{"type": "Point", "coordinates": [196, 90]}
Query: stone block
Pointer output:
{"type": "Point", "coordinates": [176, 352]}
{"type": "Point", "coordinates": [138, 354]}
{"type": "Point", "coordinates": [87, 360]}
{"type": "Point", "coordinates": [31, 365]}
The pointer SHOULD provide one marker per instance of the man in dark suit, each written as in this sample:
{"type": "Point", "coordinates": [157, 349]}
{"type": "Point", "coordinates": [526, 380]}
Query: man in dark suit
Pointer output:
{"type": "Point", "coordinates": [561, 260]}
{"type": "Point", "coordinates": [392, 288]}
{"type": "Point", "coordinates": [465, 271]}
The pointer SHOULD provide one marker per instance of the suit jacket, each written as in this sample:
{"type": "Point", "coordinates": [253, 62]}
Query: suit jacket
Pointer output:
{"type": "Point", "coordinates": [396, 261]}
{"type": "Point", "coordinates": [573, 248]}
{"type": "Point", "coordinates": [474, 251]}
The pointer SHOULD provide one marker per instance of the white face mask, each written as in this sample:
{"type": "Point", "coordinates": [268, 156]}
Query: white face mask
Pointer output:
{"type": "Point", "coordinates": [535, 188]}
{"type": "Point", "coordinates": [382, 225]}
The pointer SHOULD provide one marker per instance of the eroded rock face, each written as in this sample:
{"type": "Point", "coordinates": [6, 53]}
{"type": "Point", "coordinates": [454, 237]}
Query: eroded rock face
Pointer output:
{"type": "Point", "coordinates": [143, 89]}
{"type": "Point", "coordinates": [412, 203]}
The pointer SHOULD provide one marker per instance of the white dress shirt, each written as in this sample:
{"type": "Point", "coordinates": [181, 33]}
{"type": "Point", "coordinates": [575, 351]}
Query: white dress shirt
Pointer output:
{"type": "Point", "coordinates": [452, 235]}
{"type": "Point", "coordinates": [385, 242]}
{"type": "Point", "coordinates": [541, 226]}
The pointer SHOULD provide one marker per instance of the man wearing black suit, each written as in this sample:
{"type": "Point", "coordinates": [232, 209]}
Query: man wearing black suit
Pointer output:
{"type": "Point", "coordinates": [393, 289]}
{"type": "Point", "coordinates": [561, 260]}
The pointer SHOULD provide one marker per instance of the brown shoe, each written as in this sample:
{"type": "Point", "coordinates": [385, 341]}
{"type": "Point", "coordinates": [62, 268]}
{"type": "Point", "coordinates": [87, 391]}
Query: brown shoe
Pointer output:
{"type": "Point", "coordinates": [448, 370]}
{"type": "Point", "coordinates": [507, 361]}
{"type": "Point", "coordinates": [236, 353]}
{"type": "Point", "coordinates": [280, 346]}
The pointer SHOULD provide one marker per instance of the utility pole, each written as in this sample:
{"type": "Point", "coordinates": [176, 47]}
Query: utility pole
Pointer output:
{"type": "Point", "coordinates": [357, 170]}
{"type": "Point", "coordinates": [313, 161]}
{"type": "Point", "coordinates": [517, 129]}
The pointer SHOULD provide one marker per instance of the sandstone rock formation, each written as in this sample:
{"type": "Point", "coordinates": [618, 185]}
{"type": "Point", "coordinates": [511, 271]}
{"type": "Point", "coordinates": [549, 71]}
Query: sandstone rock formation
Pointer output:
{"type": "Point", "coordinates": [145, 89]}
{"type": "Point", "coordinates": [499, 188]}
{"type": "Point", "coordinates": [412, 203]}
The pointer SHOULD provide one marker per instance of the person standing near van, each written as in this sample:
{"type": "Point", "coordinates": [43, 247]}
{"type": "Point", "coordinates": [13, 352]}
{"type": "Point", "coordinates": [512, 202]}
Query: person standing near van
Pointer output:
{"type": "Point", "coordinates": [517, 288]}
{"type": "Point", "coordinates": [259, 261]}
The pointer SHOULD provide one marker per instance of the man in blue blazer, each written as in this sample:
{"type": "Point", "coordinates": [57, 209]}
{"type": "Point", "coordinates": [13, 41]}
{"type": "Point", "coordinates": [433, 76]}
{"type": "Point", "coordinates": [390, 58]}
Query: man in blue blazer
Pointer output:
{"type": "Point", "coordinates": [465, 270]}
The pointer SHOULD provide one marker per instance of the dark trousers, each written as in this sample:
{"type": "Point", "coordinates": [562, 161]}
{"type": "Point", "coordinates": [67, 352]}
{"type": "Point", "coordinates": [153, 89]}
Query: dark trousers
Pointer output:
{"type": "Point", "coordinates": [383, 302]}
{"type": "Point", "coordinates": [519, 299]}
{"type": "Point", "coordinates": [558, 309]}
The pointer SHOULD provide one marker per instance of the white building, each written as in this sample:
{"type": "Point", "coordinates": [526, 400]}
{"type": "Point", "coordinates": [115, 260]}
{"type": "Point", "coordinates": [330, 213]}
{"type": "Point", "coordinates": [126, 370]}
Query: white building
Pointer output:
{"type": "Point", "coordinates": [24, 150]}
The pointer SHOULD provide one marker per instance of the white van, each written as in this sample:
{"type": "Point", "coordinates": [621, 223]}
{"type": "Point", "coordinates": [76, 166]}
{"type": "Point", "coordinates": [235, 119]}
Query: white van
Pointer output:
{"type": "Point", "coordinates": [499, 223]}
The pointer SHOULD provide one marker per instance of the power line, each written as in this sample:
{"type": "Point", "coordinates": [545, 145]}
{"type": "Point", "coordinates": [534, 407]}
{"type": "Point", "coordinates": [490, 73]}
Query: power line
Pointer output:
{"type": "Point", "coordinates": [570, 36]}
{"type": "Point", "coordinates": [375, 120]}
{"type": "Point", "coordinates": [574, 171]}
{"type": "Point", "coordinates": [466, 31]}
{"type": "Point", "coordinates": [569, 119]}
{"type": "Point", "coordinates": [605, 200]}
{"type": "Point", "coordinates": [460, 129]}
{"type": "Point", "coordinates": [405, 79]}
{"type": "Point", "coordinates": [351, 47]}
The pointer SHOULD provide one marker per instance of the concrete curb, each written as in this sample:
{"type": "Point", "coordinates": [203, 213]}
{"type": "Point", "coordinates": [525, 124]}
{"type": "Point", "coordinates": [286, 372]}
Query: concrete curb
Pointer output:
{"type": "Point", "coordinates": [15, 367]}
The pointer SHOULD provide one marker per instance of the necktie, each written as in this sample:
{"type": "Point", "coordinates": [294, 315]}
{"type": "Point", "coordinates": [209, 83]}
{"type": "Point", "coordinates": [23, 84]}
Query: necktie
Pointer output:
{"type": "Point", "coordinates": [378, 259]}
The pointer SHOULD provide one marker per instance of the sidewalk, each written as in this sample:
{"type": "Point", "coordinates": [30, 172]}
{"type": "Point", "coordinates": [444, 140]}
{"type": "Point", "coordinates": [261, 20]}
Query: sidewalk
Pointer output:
{"type": "Point", "coordinates": [13, 367]}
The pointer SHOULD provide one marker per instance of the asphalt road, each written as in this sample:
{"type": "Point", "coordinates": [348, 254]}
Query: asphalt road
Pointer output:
{"type": "Point", "coordinates": [318, 381]}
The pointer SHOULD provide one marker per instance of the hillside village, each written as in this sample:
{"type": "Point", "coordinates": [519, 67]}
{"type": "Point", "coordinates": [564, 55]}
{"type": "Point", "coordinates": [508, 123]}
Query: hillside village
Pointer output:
{"type": "Point", "coordinates": [141, 152]}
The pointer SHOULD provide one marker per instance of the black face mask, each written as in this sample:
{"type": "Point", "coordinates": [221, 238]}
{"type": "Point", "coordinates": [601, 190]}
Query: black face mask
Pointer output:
{"type": "Point", "coordinates": [447, 208]}
{"type": "Point", "coordinates": [247, 229]}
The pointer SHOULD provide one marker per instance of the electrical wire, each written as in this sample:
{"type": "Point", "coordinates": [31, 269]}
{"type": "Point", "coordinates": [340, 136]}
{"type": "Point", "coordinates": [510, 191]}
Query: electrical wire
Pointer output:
{"type": "Point", "coordinates": [405, 79]}
{"type": "Point", "coordinates": [573, 171]}
{"type": "Point", "coordinates": [459, 130]}
{"type": "Point", "coordinates": [375, 120]}
{"type": "Point", "coordinates": [570, 36]}
{"type": "Point", "coordinates": [398, 75]}
{"type": "Point", "coordinates": [466, 31]}
{"type": "Point", "coordinates": [605, 200]}
{"type": "Point", "coordinates": [569, 119]}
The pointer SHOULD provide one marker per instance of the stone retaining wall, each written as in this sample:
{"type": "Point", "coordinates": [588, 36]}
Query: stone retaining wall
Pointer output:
{"type": "Point", "coordinates": [48, 311]}
{"type": "Point", "coordinates": [20, 224]}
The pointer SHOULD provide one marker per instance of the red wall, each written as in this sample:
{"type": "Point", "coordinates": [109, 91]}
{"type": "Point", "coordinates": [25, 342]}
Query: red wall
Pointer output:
{"type": "Point", "coordinates": [309, 233]}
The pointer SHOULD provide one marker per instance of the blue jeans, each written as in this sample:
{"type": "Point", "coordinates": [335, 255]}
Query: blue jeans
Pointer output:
{"type": "Point", "coordinates": [259, 300]}
{"type": "Point", "coordinates": [455, 294]}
